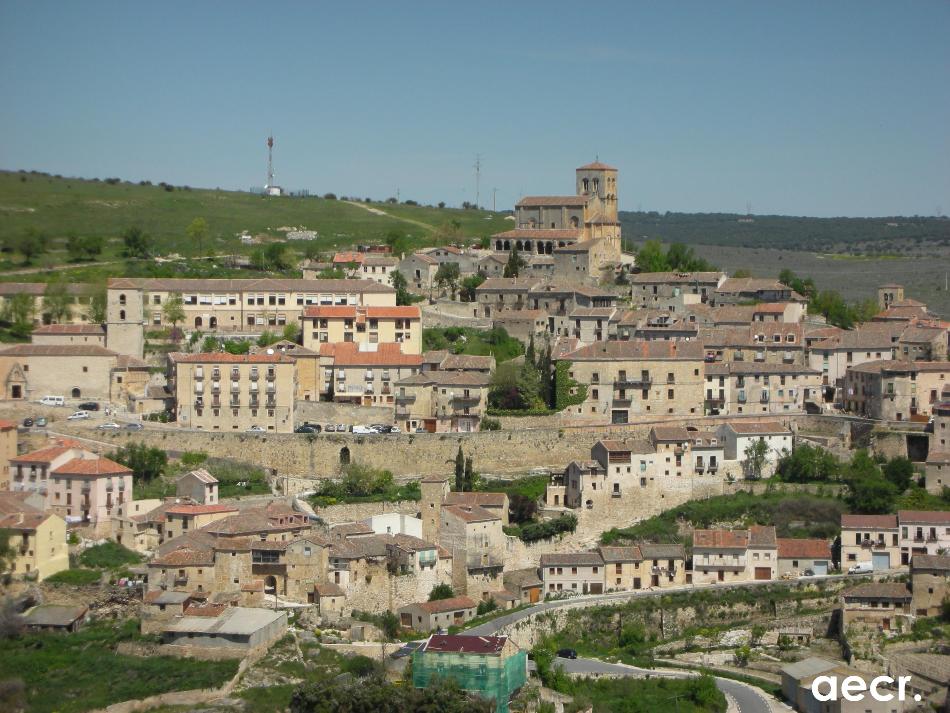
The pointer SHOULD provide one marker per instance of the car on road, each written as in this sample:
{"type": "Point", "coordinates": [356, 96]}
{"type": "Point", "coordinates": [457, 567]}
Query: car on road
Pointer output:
{"type": "Point", "coordinates": [305, 429]}
{"type": "Point", "coordinates": [89, 406]}
{"type": "Point", "coordinates": [566, 654]}
{"type": "Point", "coordinates": [133, 427]}
{"type": "Point", "coordinates": [330, 428]}
{"type": "Point", "coordinates": [78, 416]}
{"type": "Point", "coordinates": [41, 422]}
{"type": "Point", "coordinates": [109, 426]}
{"type": "Point", "coordinates": [395, 429]}
{"type": "Point", "coordinates": [861, 568]}
{"type": "Point", "coordinates": [364, 430]}
{"type": "Point", "coordinates": [53, 401]}
{"type": "Point", "coordinates": [342, 428]}
{"type": "Point", "coordinates": [27, 422]}
{"type": "Point", "coordinates": [256, 429]}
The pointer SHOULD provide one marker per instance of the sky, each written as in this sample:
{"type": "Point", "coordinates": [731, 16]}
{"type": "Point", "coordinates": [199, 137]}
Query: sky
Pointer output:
{"type": "Point", "coordinates": [798, 108]}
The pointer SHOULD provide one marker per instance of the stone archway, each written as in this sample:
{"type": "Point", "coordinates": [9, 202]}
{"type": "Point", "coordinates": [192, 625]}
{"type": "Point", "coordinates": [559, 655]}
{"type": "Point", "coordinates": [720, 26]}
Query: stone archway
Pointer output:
{"type": "Point", "coordinates": [270, 584]}
{"type": "Point", "coordinates": [345, 455]}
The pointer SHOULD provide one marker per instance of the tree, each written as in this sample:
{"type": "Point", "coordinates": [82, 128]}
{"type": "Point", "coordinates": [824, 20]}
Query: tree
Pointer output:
{"type": "Point", "coordinates": [441, 591]}
{"type": "Point", "coordinates": [650, 257]}
{"type": "Point", "coordinates": [755, 454]}
{"type": "Point", "coordinates": [7, 552]}
{"type": "Point", "coordinates": [448, 276]}
{"type": "Point", "coordinates": [146, 463]}
{"type": "Point", "coordinates": [900, 472]}
{"type": "Point", "coordinates": [460, 471]}
{"type": "Point", "coordinates": [209, 345]}
{"type": "Point", "coordinates": [743, 655]}
{"type": "Point", "coordinates": [291, 332]}
{"type": "Point", "coordinates": [275, 256]}
{"type": "Point", "coordinates": [529, 354]}
{"type": "Point", "coordinates": [57, 302]}
{"type": "Point", "coordinates": [30, 244]}
{"type": "Point", "coordinates": [83, 248]}
{"type": "Point", "coordinates": [266, 339]}
{"type": "Point", "coordinates": [398, 281]}
{"type": "Point", "coordinates": [515, 386]}
{"type": "Point", "coordinates": [136, 244]}
{"type": "Point", "coordinates": [870, 495]}
{"type": "Point", "coordinates": [18, 313]}
{"type": "Point", "coordinates": [514, 264]}
{"type": "Point", "coordinates": [469, 474]}
{"type": "Point", "coordinates": [807, 464]}
{"type": "Point", "coordinates": [96, 294]}
{"type": "Point", "coordinates": [396, 240]}
{"type": "Point", "coordinates": [469, 285]}
{"type": "Point", "coordinates": [742, 272]}
{"type": "Point", "coordinates": [374, 694]}
{"type": "Point", "coordinates": [197, 230]}
{"type": "Point", "coordinates": [174, 310]}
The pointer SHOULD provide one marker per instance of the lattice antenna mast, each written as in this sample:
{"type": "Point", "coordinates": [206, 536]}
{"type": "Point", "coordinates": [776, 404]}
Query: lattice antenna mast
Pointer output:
{"type": "Point", "coordinates": [478, 178]}
{"type": "Point", "coordinates": [270, 161]}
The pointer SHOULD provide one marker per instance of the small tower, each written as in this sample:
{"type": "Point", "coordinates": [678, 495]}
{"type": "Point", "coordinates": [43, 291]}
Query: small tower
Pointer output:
{"type": "Point", "coordinates": [887, 295]}
{"type": "Point", "coordinates": [598, 181]}
{"type": "Point", "coordinates": [125, 320]}
{"type": "Point", "coordinates": [433, 490]}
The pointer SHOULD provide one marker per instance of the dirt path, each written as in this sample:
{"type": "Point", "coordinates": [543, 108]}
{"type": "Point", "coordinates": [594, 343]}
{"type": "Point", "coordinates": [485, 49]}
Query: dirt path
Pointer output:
{"type": "Point", "coordinates": [377, 211]}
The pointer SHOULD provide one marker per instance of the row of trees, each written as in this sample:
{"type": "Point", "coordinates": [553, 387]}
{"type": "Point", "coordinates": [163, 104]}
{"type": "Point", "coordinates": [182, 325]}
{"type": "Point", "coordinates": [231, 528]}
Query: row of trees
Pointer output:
{"type": "Point", "coordinates": [678, 257]}
{"type": "Point", "coordinates": [19, 310]}
{"type": "Point", "coordinates": [829, 302]}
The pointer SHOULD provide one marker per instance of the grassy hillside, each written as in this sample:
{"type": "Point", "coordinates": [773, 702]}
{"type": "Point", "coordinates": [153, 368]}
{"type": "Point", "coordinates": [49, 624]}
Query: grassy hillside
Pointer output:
{"type": "Point", "coordinates": [58, 207]}
{"type": "Point", "coordinates": [857, 235]}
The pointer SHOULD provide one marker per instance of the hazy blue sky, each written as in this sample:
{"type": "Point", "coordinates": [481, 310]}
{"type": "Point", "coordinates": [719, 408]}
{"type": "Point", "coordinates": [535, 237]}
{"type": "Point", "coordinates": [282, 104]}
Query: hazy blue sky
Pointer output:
{"type": "Point", "coordinates": [814, 108]}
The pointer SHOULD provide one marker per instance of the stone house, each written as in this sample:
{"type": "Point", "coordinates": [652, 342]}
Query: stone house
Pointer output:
{"type": "Point", "coordinates": [771, 342]}
{"type": "Point", "coordinates": [923, 342]}
{"type": "Point", "coordinates": [439, 614]}
{"type": "Point", "coordinates": [666, 562]}
{"type": "Point", "coordinates": [233, 392]}
{"type": "Point", "coordinates": [624, 568]}
{"type": "Point", "coordinates": [75, 371]}
{"type": "Point", "coordinates": [160, 606]}
{"type": "Point", "coordinates": [632, 379]}
{"type": "Point", "coordinates": [36, 539]}
{"type": "Point", "coordinates": [442, 401]}
{"type": "Point", "coordinates": [94, 334]}
{"type": "Point", "coordinates": [363, 325]}
{"type": "Point", "coordinates": [525, 584]}
{"type": "Point", "coordinates": [737, 290]}
{"type": "Point", "coordinates": [752, 388]}
{"type": "Point", "coordinates": [878, 605]}
{"type": "Point", "coordinates": [929, 583]}
{"type": "Point", "coordinates": [183, 570]}
{"type": "Point", "coordinates": [379, 268]}
{"type": "Point", "coordinates": [734, 555]}
{"type": "Point", "coordinates": [870, 538]}
{"type": "Point", "coordinates": [363, 377]}
{"type": "Point", "coordinates": [577, 572]}
{"type": "Point", "coordinates": [923, 532]}
{"type": "Point", "coordinates": [737, 436]}
{"type": "Point", "coordinates": [895, 390]}
{"type": "Point", "coordinates": [523, 324]}
{"type": "Point", "coordinates": [847, 349]}
{"type": "Point", "coordinates": [591, 324]}
{"type": "Point", "coordinates": [140, 524]}
{"type": "Point", "coordinates": [650, 289]}
{"type": "Point", "coordinates": [476, 541]}
{"type": "Point", "coordinates": [797, 555]}
{"type": "Point", "coordinates": [9, 438]}
{"type": "Point", "coordinates": [180, 519]}
{"type": "Point", "coordinates": [199, 486]}
{"type": "Point", "coordinates": [228, 629]}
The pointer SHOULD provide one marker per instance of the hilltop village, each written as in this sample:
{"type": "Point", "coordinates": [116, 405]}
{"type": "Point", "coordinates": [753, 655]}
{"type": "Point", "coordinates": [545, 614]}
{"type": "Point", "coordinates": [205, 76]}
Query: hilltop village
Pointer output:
{"type": "Point", "coordinates": [438, 447]}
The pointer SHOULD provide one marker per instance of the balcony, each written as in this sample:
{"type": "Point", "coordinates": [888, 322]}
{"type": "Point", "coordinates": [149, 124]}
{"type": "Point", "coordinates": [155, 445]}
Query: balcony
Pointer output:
{"type": "Point", "coordinates": [402, 412]}
{"type": "Point", "coordinates": [764, 398]}
{"type": "Point", "coordinates": [919, 538]}
{"type": "Point", "coordinates": [624, 402]}
{"type": "Point", "coordinates": [270, 403]}
{"type": "Point", "coordinates": [700, 468]}
{"type": "Point", "coordinates": [271, 387]}
{"type": "Point", "coordinates": [181, 581]}
{"type": "Point", "coordinates": [932, 538]}
{"type": "Point", "coordinates": [405, 398]}
{"type": "Point", "coordinates": [875, 544]}
{"type": "Point", "coordinates": [254, 376]}
{"type": "Point", "coordinates": [471, 400]}
{"type": "Point", "coordinates": [716, 566]}
{"type": "Point", "coordinates": [199, 374]}
{"type": "Point", "coordinates": [643, 382]}
{"type": "Point", "coordinates": [216, 388]}
{"type": "Point", "coordinates": [713, 468]}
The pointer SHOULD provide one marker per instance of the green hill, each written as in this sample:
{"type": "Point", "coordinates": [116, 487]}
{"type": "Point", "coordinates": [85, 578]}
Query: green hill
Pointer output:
{"type": "Point", "coordinates": [57, 207]}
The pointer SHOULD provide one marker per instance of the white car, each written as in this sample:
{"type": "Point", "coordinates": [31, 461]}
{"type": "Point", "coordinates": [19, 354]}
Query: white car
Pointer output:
{"type": "Point", "coordinates": [256, 429]}
{"type": "Point", "coordinates": [79, 415]}
{"type": "Point", "coordinates": [110, 426]}
{"type": "Point", "coordinates": [395, 429]}
{"type": "Point", "coordinates": [363, 430]}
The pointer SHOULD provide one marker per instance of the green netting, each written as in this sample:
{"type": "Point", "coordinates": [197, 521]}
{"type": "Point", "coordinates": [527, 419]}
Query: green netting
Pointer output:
{"type": "Point", "coordinates": [488, 676]}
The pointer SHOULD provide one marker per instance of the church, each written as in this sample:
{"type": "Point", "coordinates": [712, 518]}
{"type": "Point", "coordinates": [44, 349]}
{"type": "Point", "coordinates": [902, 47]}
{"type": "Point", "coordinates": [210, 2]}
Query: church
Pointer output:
{"type": "Point", "coordinates": [584, 222]}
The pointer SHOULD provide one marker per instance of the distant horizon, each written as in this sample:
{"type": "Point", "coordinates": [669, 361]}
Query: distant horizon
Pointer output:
{"type": "Point", "coordinates": [252, 190]}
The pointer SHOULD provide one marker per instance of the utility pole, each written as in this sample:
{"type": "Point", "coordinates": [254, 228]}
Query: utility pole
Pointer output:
{"type": "Point", "coordinates": [478, 178]}
{"type": "Point", "coordinates": [494, 191]}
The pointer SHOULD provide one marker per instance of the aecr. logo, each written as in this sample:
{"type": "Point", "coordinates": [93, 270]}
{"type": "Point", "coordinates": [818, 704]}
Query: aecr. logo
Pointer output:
{"type": "Point", "coordinates": [854, 688]}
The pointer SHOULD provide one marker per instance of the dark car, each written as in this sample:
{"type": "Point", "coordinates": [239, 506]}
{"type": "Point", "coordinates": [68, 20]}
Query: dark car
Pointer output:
{"type": "Point", "coordinates": [89, 406]}
{"type": "Point", "coordinates": [133, 426]}
{"type": "Point", "coordinates": [305, 429]}
{"type": "Point", "coordinates": [566, 654]}
{"type": "Point", "coordinates": [27, 422]}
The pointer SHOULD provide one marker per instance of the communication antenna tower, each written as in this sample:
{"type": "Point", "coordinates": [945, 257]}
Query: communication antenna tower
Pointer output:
{"type": "Point", "coordinates": [478, 177]}
{"type": "Point", "coordinates": [270, 161]}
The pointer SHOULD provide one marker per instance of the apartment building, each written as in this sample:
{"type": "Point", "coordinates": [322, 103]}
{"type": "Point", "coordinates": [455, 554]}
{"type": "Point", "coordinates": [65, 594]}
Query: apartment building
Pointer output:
{"type": "Point", "coordinates": [836, 354]}
{"type": "Point", "coordinates": [651, 324]}
{"type": "Point", "coordinates": [80, 308]}
{"type": "Point", "coordinates": [735, 555]}
{"type": "Point", "coordinates": [554, 298]}
{"type": "Point", "coordinates": [796, 556]}
{"type": "Point", "coordinates": [895, 390]}
{"type": "Point", "coordinates": [364, 377]}
{"type": "Point", "coordinates": [618, 472]}
{"type": "Point", "coordinates": [744, 387]}
{"type": "Point", "coordinates": [591, 324]}
{"type": "Point", "coordinates": [36, 539]}
{"type": "Point", "coordinates": [923, 342]}
{"type": "Point", "coordinates": [636, 378]}
{"type": "Point", "coordinates": [655, 289]}
{"type": "Point", "coordinates": [737, 436]}
{"type": "Point", "coordinates": [576, 572]}
{"type": "Point", "coordinates": [738, 290]}
{"type": "Point", "coordinates": [923, 532]}
{"type": "Point", "coordinates": [681, 453]}
{"type": "Point", "coordinates": [474, 537]}
{"type": "Point", "coordinates": [225, 305]}
{"type": "Point", "coordinates": [364, 326]}
{"type": "Point", "coordinates": [442, 401]}
{"type": "Point", "coordinates": [234, 392]}
{"type": "Point", "coordinates": [877, 605]}
{"type": "Point", "coordinates": [873, 539]}
{"type": "Point", "coordinates": [761, 342]}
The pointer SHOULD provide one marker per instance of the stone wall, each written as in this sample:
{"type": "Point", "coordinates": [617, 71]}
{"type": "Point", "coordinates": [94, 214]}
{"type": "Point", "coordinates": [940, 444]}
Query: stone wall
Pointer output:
{"type": "Point", "coordinates": [324, 412]}
{"type": "Point", "coordinates": [356, 512]}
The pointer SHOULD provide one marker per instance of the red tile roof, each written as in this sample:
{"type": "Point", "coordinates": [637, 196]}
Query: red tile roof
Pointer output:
{"type": "Point", "coordinates": [886, 522]}
{"type": "Point", "coordinates": [6, 425]}
{"type": "Point", "coordinates": [789, 548]}
{"type": "Point", "coordinates": [470, 513]}
{"type": "Point", "coordinates": [930, 517]}
{"type": "Point", "coordinates": [348, 257]}
{"type": "Point", "coordinates": [54, 350]}
{"type": "Point", "coordinates": [721, 538]}
{"type": "Point", "coordinates": [531, 201]}
{"type": "Point", "coordinates": [386, 354]}
{"type": "Point", "coordinates": [226, 358]}
{"type": "Point", "coordinates": [91, 467]}
{"type": "Point", "coordinates": [89, 329]}
{"type": "Point", "coordinates": [596, 166]}
{"type": "Point", "coordinates": [199, 509]}
{"type": "Point", "coordinates": [637, 349]}
{"type": "Point", "coordinates": [354, 312]}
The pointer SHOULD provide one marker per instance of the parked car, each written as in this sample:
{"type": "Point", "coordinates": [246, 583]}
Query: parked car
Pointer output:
{"type": "Point", "coordinates": [89, 406]}
{"type": "Point", "coordinates": [53, 401]}
{"type": "Point", "coordinates": [861, 568]}
{"type": "Point", "coordinates": [256, 429]}
{"type": "Point", "coordinates": [27, 422]}
{"type": "Point", "coordinates": [41, 422]}
{"type": "Point", "coordinates": [363, 430]}
{"type": "Point", "coordinates": [78, 416]}
{"type": "Point", "coordinates": [305, 429]}
{"type": "Point", "coordinates": [808, 573]}
{"type": "Point", "coordinates": [566, 654]}
{"type": "Point", "coordinates": [330, 428]}
{"type": "Point", "coordinates": [342, 428]}
{"type": "Point", "coordinates": [109, 426]}
{"type": "Point", "coordinates": [421, 430]}
{"type": "Point", "coordinates": [395, 429]}
{"type": "Point", "coordinates": [133, 427]}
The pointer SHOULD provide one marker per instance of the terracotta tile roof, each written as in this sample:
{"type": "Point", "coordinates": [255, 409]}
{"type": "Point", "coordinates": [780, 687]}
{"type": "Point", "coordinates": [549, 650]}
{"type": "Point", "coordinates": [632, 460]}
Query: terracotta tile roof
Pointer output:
{"type": "Point", "coordinates": [507, 284]}
{"type": "Point", "coordinates": [79, 329]}
{"type": "Point", "coordinates": [466, 362]}
{"type": "Point", "coordinates": [878, 590]}
{"type": "Point", "coordinates": [348, 257]}
{"type": "Point", "coordinates": [871, 522]}
{"type": "Point", "coordinates": [386, 354]}
{"type": "Point", "coordinates": [519, 578]}
{"type": "Point", "coordinates": [929, 517]}
{"type": "Point", "coordinates": [459, 644]}
{"type": "Point", "coordinates": [6, 425]}
{"type": "Point", "coordinates": [15, 514]}
{"type": "Point", "coordinates": [486, 500]}
{"type": "Point", "coordinates": [732, 539]}
{"type": "Point", "coordinates": [351, 528]}
{"type": "Point", "coordinates": [446, 605]}
{"type": "Point", "coordinates": [355, 312]}
{"type": "Point", "coordinates": [630, 553]}
{"type": "Point", "coordinates": [932, 562]}
{"type": "Point", "coordinates": [877, 337]}
{"type": "Point", "coordinates": [584, 559]}
{"type": "Point", "coordinates": [762, 536]}
{"type": "Point", "coordinates": [637, 350]}
{"type": "Point", "coordinates": [199, 509]}
{"type": "Point", "coordinates": [789, 548]}
{"type": "Point", "coordinates": [470, 513]}
{"type": "Point", "coordinates": [530, 201]}
{"type": "Point", "coordinates": [201, 475]}
{"type": "Point", "coordinates": [226, 358]}
{"type": "Point", "coordinates": [669, 433]}
{"type": "Point", "coordinates": [225, 285]}
{"type": "Point", "coordinates": [613, 445]}
{"type": "Point", "coordinates": [650, 278]}
{"type": "Point", "coordinates": [473, 379]}
{"type": "Point", "coordinates": [328, 589]}
{"type": "Point", "coordinates": [57, 350]}
{"type": "Point", "coordinates": [184, 558]}
{"type": "Point", "coordinates": [653, 551]}
{"type": "Point", "coordinates": [750, 284]}
{"type": "Point", "coordinates": [593, 312]}
{"type": "Point", "coordinates": [91, 467]}
{"type": "Point", "coordinates": [596, 166]}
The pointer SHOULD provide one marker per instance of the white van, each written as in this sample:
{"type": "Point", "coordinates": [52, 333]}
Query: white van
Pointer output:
{"type": "Point", "coordinates": [861, 568]}
{"type": "Point", "coordinates": [53, 401]}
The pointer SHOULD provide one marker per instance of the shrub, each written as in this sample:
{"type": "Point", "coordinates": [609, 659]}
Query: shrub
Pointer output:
{"type": "Point", "coordinates": [75, 577]}
{"type": "Point", "coordinates": [490, 424]}
{"type": "Point", "coordinates": [108, 555]}
{"type": "Point", "coordinates": [533, 531]}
